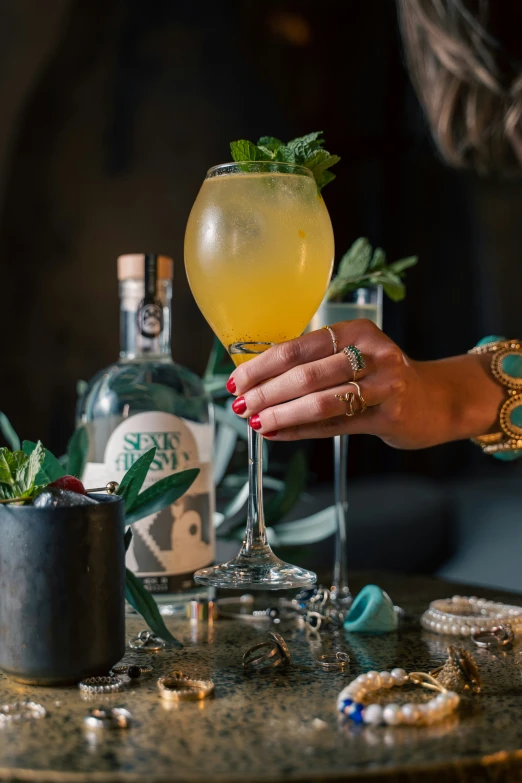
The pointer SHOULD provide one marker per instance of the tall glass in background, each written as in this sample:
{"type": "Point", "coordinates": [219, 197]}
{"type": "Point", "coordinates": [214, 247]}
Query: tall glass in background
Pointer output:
{"type": "Point", "coordinates": [362, 303]}
{"type": "Point", "coordinates": [259, 252]}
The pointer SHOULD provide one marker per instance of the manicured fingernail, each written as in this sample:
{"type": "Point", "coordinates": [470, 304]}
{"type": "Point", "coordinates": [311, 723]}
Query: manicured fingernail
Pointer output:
{"type": "Point", "coordinates": [270, 434]}
{"type": "Point", "coordinates": [255, 422]}
{"type": "Point", "coordinates": [231, 385]}
{"type": "Point", "coordinates": [239, 406]}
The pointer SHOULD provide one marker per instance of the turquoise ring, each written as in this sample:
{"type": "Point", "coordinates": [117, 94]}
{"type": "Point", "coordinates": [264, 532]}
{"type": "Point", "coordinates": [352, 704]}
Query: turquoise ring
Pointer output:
{"type": "Point", "coordinates": [372, 612]}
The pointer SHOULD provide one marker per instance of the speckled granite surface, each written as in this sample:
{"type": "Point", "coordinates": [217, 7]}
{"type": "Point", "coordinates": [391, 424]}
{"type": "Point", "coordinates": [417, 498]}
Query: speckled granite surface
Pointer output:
{"type": "Point", "coordinates": [263, 727]}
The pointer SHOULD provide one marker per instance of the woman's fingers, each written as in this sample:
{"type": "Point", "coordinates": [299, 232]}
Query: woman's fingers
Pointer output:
{"type": "Point", "coordinates": [298, 382]}
{"type": "Point", "coordinates": [366, 423]}
{"type": "Point", "coordinates": [309, 348]}
{"type": "Point", "coordinates": [320, 406]}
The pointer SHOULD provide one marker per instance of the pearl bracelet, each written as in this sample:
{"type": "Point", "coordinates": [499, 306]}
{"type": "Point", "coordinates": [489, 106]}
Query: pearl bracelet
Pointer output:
{"type": "Point", "coordinates": [462, 616]}
{"type": "Point", "coordinates": [350, 700]}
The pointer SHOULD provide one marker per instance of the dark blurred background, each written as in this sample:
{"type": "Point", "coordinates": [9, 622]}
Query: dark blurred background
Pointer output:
{"type": "Point", "coordinates": [112, 110]}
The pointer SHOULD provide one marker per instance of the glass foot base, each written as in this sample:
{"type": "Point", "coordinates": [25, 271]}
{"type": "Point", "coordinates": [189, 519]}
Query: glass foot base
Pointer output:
{"type": "Point", "coordinates": [257, 571]}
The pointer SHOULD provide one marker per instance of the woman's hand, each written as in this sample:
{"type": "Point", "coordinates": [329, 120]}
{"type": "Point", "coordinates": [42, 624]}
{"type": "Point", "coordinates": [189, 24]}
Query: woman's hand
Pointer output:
{"type": "Point", "coordinates": [289, 392]}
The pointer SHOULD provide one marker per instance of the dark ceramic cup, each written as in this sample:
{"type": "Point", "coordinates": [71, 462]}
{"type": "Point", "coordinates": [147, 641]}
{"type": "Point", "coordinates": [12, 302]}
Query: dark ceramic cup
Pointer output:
{"type": "Point", "coordinates": [62, 591]}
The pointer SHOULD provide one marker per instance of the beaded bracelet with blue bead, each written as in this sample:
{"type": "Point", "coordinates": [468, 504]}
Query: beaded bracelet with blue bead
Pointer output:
{"type": "Point", "coordinates": [506, 367]}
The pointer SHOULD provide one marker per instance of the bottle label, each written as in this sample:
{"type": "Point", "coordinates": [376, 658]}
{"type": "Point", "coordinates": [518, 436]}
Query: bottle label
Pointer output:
{"type": "Point", "coordinates": [179, 539]}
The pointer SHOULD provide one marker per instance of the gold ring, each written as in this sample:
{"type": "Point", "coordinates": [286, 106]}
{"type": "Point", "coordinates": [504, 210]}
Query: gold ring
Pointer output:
{"type": "Point", "coordinates": [177, 687]}
{"type": "Point", "coordinates": [278, 653]}
{"type": "Point", "coordinates": [350, 396]}
{"type": "Point", "coordinates": [334, 338]}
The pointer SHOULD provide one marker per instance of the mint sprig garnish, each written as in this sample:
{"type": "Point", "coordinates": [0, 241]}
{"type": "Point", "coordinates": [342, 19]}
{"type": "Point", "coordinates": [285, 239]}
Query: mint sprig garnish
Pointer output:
{"type": "Point", "coordinates": [18, 472]}
{"type": "Point", "coordinates": [304, 151]}
{"type": "Point", "coordinates": [363, 267]}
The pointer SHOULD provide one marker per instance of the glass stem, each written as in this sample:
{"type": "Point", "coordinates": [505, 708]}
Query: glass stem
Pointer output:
{"type": "Point", "coordinates": [340, 574]}
{"type": "Point", "coordinates": [255, 538]}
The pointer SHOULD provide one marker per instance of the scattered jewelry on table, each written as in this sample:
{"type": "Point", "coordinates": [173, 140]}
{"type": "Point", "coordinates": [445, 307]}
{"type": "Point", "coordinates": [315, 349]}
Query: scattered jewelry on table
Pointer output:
{"type": "Point", "coordinates": [463, 616]}
{"type": "Point", "coordinates": [497, 636]}
{"type": "Point", "coordinates": [277, 653]}
{"type": "Point", "coordinates": [334, 662]}
{"type": "Point", "coordinates": [177, 687]}
{"type": "Point", "coordinates": [146, 641]}
{"type": "Point", "coordinates": [107, 684]}
{"type": "Point", "coordinates": [460, 673]}
{"type": "Point", "coordinates": [21, 711]}
{"type": "Point", "coordinates": [350, 700]}
{"type": "Point", "coordinates": [132, 670]}
{"type": "Point", "coordinates": [115, 718]}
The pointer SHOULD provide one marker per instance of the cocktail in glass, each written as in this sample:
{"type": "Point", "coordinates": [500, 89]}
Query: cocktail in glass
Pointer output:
{"type": "Point", "coordinates": [259, 252]}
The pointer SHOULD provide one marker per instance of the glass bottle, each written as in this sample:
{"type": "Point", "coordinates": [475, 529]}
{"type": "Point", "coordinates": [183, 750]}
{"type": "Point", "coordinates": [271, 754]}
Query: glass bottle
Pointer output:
{"type": "Point", "coordinates": [147, 400]}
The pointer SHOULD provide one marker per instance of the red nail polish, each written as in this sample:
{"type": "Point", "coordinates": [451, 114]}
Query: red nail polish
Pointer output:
{"type": "Point", "coordinates": [255, 422]}
{"type": "Point", "coordinates": [270, 434]}
{"type": "Point", "coordinates": [239, 406]}
{"type": "Point", "coordinates": [231, 385]}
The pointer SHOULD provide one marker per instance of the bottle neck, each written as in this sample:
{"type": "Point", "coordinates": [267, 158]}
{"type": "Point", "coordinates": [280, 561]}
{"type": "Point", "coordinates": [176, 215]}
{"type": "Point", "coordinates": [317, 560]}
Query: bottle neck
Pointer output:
{"type": "Point", "coordinates": [145, 322]}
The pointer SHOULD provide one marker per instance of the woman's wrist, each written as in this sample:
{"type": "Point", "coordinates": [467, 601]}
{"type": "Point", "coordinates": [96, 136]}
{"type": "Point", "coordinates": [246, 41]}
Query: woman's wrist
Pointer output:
{"type": "Point", "coordinates": [465, 393]}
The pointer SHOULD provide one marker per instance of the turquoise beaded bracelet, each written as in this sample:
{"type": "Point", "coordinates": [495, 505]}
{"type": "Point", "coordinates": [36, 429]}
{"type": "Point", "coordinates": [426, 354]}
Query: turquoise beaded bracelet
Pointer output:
{"type": "Point", "coordinates": [506, 367]}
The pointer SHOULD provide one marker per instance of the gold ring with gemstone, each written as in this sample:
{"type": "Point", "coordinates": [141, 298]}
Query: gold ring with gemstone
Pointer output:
{"type": "Point", "coordinates": [177, 687]}
{"type": "Point", "coordinates": [356, 359]}
{"type": "Point", "coordinates": [277, 653]}
{"type": "Point", "coordinates": [334, 338]}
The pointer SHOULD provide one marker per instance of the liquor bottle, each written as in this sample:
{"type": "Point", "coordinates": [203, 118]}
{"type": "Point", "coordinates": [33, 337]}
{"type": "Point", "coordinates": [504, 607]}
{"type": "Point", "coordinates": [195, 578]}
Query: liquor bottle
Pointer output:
{"type": "Point", "coordinates": [147, 400]}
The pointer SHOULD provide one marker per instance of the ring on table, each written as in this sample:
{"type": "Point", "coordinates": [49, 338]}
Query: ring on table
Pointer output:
{"type": "Point", "coordinates": [277, 653]}
{"type": "Point", "coordinates": [101, 685]}
{"type": "Point", "coordinates": [146, 641]}
{"type": "Point", "coordinates": [336, 662]}
{"type": "Point", "coordinates": [460, 673]}
{"type": "Point", "coordinates": [115, 718]}
{"type": "Point", "coordinates": [499, 636]}
{"type": "Point", "coordinates": [349, 398]}
{"type": "Point", "coordinates": [356, 359]}
{"type": "Point", "coordinates": [334, 338]}
{"type": "Point", "coordinates": [132, 670]}
{"type": "Point", "coordinates": [177, 687]}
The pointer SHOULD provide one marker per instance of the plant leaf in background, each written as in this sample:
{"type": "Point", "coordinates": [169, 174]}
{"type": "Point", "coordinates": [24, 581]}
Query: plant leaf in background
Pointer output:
{"type": "Point", "coordinates": [294, 484]}
{"type": "Point", "coordinates": [161, 494]}
{"type": "Point", "coordinates": [51, 468]}
{"type": "Point", "coordinates": [144, 603]}
{"type": "Point", "coordinates": [8, 432]}
{"type": "Point", "coordinates": [362, 266]}
{"type": "Point", "coordinates": [77, 452]}
{"type": "Point", "coordinates": [133, 480]}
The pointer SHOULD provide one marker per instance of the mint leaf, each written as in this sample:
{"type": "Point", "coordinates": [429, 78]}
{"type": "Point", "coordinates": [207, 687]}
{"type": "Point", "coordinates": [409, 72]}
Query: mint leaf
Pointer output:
{"type": "Point", "coordinates": [270, 142]}
{"type": "Point", "coordinates": [77, 452]}
{"type": "Point", "coordinates": [144, 603]}
{"type": "Point", "coordinates": [6, 477]}
{"type": "Point", "coordinates": [403, 264]}
{"type": "Point", "coordinates": [324, 178]}
{"type": "Point", "coordinates": [161, 494]}
{"type": "Point", "coordinates": [308, 139]}
{"type": "Point", "coordinates": [51, 468]}
{"type": "Point", "coordinates": [243, 150]}
{"type": "Point", "coordinates": [8, 431]}
{"type": "Point", "coordinates": [285, 155]}
{"type": "Point", "coordinates": [26, 468]}
{"type": "Point", "coordinates": [133, 480]}
{"type": "Point", "coordinates": [393, 286]}
{"type": "Point", "coordinates": [378, 261]}
{"type": "Point", "coordinates": [356, 260]}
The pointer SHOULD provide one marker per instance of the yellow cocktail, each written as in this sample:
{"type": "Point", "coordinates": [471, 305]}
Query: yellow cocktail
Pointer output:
{"type": "Point", "coordinates": [259, 252]}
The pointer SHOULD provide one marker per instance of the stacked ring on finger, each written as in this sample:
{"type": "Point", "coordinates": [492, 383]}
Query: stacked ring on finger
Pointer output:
{"type": "Point", "coordinates": [356, 359]}
{"type": "Point", "coordinates": [334, 338]}
{"type": "Point", "coordinates": [349, 398]}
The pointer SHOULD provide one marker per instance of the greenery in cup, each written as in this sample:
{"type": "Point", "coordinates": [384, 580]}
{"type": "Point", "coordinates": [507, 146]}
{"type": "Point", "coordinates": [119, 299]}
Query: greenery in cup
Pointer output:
{"type": "Point", "coordinates": [304, 151]}
{"type": "Point", "coordinates": [363, 267]}
{"type": "Point", "coordinates": [26, 471]}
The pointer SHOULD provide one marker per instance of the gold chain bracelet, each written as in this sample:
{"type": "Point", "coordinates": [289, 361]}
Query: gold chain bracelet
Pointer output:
{"type": "Point", "coordinates": [506, 367]}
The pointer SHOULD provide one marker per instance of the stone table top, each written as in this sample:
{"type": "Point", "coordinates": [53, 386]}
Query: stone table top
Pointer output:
{"type": "Point", "coordinates": [280, 725]}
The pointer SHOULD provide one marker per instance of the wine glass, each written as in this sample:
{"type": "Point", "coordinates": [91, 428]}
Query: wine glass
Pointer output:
{"type": "Point", "coordinates": [259, 252]}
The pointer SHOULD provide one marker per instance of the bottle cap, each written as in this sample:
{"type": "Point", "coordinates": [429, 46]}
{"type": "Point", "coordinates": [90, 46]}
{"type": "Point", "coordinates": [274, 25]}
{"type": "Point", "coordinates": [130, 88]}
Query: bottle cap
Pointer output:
{"type": "Point", "coordinates": [132, 267]}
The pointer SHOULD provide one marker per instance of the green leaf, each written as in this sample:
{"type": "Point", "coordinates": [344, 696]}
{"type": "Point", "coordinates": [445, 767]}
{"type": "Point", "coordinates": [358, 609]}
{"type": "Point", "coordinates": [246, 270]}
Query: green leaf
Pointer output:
{"type": "Point", "coordinates": [27, 468]}
{"type": "Point", "coordinates": [324, 178]}
{"type": "Point", "coordinates": [320, 161]}
{"type": "Point", "coordinates": [285, 155]}
{"type": "Point", "coordinates": [308, 139]}
{"type": "Point", "coordinates": [132, 481]}
{"type": "Point", "coordinates": [51, 468]}
{"type": "Point", "coordinates": [127, 538]}
{"type": "Point", "coordinates": [378, 260]}
{"type": "Point", "coordinates": [269, 155]}
{"type": "Point", "coordinates": [6, 477]}
{"type": "Point", "coordinates": [393, 286]}
{"type": "Point", "coordinates": [77, 452]}
{"type": "Point", "coordinates": [144, 603]}
{"type": "Point", "coordinates": [356, 260]}
{"type": "Point", "coordinates": [161, 494]}
{"type": "Point", "coordinates": [8, 432]}
{"type": "Point", "coordinates": [270, 142]}
{"type": "Point", "coordinates": [403, 264]}
{"type": "Point", "coordinates": [244, 150]}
